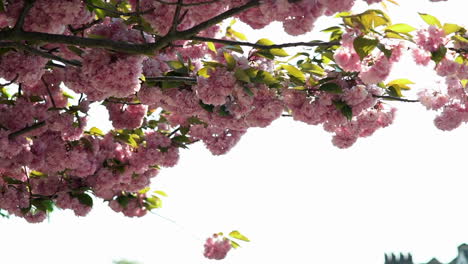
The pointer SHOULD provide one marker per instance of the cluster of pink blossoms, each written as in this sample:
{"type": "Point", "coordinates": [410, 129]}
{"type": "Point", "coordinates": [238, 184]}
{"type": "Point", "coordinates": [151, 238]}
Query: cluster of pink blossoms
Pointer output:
{"type": "Point", "coordinates": [217, 247]}
{"type": "Point", "coordinates": [453, 99]}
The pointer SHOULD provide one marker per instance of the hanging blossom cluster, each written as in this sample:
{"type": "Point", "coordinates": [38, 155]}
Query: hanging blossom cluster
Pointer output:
{"type": "Point", "coordinates": [451, 99]}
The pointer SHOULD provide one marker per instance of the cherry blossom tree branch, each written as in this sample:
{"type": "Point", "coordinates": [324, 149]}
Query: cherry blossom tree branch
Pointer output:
{"type": "Point", "coordinates": [175, 21]}
{"type": "Point", "coordinates": [119, 46]}
{"type": "Point", "coordinates": [187, 34]}
{"type": "Point", "coordinates": [28, 4]}
{"type": "Point", "coordinates": [192, 4]}
{"type": "Point", "coordinates": [26, 129]}
{"type": "Point", "coordinates": [43, 54]}
{"type": "Point", "coordinates": [188, 80]}
{"type": "Point", "coordinates": [259, 46]}
{"type": "Point", "coordinates": [394, 98]}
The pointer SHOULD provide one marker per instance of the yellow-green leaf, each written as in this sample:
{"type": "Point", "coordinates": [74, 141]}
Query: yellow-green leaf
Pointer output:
{"type": "Point", "coordinates": [451, 28]}
{"type": "Point", "coordinates": [400, 82]}
{"type": "Point", "coordinates": [211, 46]}
{"type": "Point", "coordinates": [237, 235]}
{"type": "Point", "coordinates": [241, 75]}
{"type": "Point", "coordinates": [294, 72]}
{"type": "Point", "coordinates": [430, 20]}
{"type": "Point", "coordinates": [96, 132]}
{"type": "Point", "coordinates": [234, 244]}
{"type": "Point", "coordinates": [161, 193]}
{"type": "Point", "coordinates": [401, 28]}
{"type": "Point", "coordinates": [231, 62]}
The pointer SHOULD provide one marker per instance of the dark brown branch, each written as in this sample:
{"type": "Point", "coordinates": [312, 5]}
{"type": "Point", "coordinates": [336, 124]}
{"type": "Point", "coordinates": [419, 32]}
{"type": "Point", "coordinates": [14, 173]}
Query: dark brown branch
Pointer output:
{"type": "Point", "coordinates": [34, 51]}
{"type": "Point", "coordinates": [26, 129]}
{"type": "Point", "coordinates": [119, 46]}
{"type": "Point", "coordinates": [175, 20]}
{"type": "Point", "coordinates": [188, 80]}
{"type": "Point", "coordinates": [120, 102]}
{"type": "Point", "coordinates": [259, 46]}
{"type": "Point", "coordinates": [189, 33]}
{"type": "Point", "coordinates": [28, 4]}
{"type": "Point", "coordinates": [388, 97]}
{"type": "Point", "coordinates": [10, 82]}
{"type": "Point", "coordinates": [48, 92]}
{"type": "Point", "coordinates": [74, 31]}
{"type": "Point", "coordinates": [192, 4]}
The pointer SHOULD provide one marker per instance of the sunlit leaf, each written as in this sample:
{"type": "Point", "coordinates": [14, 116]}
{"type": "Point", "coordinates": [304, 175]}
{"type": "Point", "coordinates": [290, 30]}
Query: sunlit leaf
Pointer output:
{"type": "Point", "coordinates": [237, 235]}
{"type": "Point", "coordinates": [430, 20]}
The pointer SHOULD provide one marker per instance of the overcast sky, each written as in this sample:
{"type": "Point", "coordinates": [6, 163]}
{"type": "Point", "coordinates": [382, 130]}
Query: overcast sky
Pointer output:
{"type": "Point", "coordinates": [297, 197]}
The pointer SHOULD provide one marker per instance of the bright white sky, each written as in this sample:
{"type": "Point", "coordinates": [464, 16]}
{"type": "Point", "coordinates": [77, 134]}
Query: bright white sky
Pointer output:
{"type": "Point", "coordinates": [298, 198]}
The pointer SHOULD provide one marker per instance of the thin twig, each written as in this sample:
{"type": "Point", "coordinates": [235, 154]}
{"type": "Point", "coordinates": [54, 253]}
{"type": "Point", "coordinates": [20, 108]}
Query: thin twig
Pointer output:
{"type": "Point", "coordinates": [48, 91]}
{"type": "Point", "coordinates": [175, 20]}
{"type": "Point", "coordinates": [10, 82]}
{"type": "Point", "coordinates": [120, 102]}
{"type": "Point", "coordinates": [394, 98]}
{"type": "Point", "coordinates": [187, 80]}
{"type": "Point", "coordinates": [28, 4]}
{"type": "Point", "coordinates": [259, 46]}
{"type": "Point", "coordinates": [192, 4]}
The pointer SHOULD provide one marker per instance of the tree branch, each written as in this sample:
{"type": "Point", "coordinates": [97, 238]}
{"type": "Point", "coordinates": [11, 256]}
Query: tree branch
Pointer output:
{"type": "Point", "coordinates": [192, 4]}
{"type": "Point", "coordinates": [28, 4]}
{"type": "Point", "coordinates": [188, 80]}
{"type": "Point", "coordinates": [187, 34]}
{"type": "Point", "coordinates": [119, 46]}
{"type": "Point", "coordinates": [26, 129]}
{"type": "Point", "coordinates": [259, 46]}
{"type": "Point", "coordinates": [175, 20]}
{"type": "Point", "coordinates": [34, 51]}
{"type": "Point", "coordinates": [388, 97]}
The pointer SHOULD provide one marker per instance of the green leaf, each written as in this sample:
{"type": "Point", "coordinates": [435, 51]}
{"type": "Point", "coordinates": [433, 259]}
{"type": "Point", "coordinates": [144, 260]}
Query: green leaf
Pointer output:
{"type": "Point", "coordinates": [76, 50]}
{"type": "Point", "coordinates": [181, 139]}
{"type": "Point", "coordinates": [123, 200]}
{"type": "Point", "coordinates": [274, 52]}
{"type": "Point", "coordinates": [12, 180]}
{"type": "Point", "coordinates": [386, 52]}
{"type": "Point", "coordinates": [344, 108]}
{"type": "Point", "coordinates": [395, 91]}
{"type": "Point", "coordinates": [364, 46]}
{"type": "Point", "coordinates": [84, 199]}
{"type": "Point", "coordinates": [439, 54]}
{"type": "Point", "coordinates": [331, 29]}
{"type": "Point", "coordinates": [400, 82]}
{"type": "Point", "coordinates": [223, 111]}
{"type": "Point", "coordinates": [430, 20]}
{"type": "Point", "coordinates": [161, 193]}
{"type": "Point", "coordinates": [144, 190]}
{"type": "Point", "coordinates": [241, 75]}
{"type": "Point", "coordinates": [231, 62]}
{"type": "Point", "coordinates": [211, 46]}
{"type": "Point", "coordinates": [44, 205]}
{"type": "Point", "coordinates": [401, 28]}
{"type": "Point", "coordinates": [237, 235]}
{"type": "Point", "coordinates": [207, 107]}
{"type": "Point", "coordinates": [331, 88]}
{"type": "Point", "coordinates": [235, 48]}
{"type": "Point", "coordinates": [295, 72]}
{"type": "Point", "coordinates": [37, 174]}
{"type": "Point", "coordinates": [451, 28]}
{"type": "Point", "coordinates": [234, 244]}
{"type": "Point", "coordinates": [94, 131]}
{"type": "Point", "coordinates": [2, 6]}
